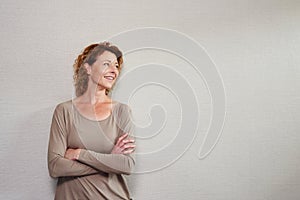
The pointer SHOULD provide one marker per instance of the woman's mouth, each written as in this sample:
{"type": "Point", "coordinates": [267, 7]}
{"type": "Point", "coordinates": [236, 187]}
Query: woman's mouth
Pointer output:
{"type": "Point", "coordinates": [110, 78]}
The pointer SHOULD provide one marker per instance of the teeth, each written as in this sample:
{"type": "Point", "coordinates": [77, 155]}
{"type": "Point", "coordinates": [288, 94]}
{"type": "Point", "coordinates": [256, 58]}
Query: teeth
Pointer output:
{"type": "Point", "coordinates": [109, 77]}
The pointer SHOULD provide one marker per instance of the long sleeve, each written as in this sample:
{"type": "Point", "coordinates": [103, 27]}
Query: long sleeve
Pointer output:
{"type": "Point", "coordinates": [114, 163]}
{"type": "Point", "coordinates": [59, 166]}
{"type": "Point", "coordinates": [109, 163]}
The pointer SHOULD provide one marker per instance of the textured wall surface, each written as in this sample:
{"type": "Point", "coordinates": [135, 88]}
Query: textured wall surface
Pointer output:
{"type": "Point", "coordinates": [255, 45]}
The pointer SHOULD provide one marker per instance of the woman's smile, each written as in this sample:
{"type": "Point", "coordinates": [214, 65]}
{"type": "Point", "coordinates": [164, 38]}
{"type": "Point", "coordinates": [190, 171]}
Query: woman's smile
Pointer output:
{"type": "Point", "coordinates": [110, 78]}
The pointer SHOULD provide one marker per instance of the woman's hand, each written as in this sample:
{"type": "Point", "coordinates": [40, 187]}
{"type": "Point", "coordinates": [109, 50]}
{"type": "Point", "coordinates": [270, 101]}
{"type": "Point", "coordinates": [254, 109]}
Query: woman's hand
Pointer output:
{"type": "Point", "coordinates": [124, 146]}
{"type": "Point", "coordinates": [72, 154]}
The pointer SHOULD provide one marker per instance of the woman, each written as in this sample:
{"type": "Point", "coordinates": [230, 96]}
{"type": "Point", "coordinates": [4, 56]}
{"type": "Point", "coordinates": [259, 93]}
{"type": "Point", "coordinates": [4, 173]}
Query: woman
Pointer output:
{"type": "Point", "coordinates": [91, 140]}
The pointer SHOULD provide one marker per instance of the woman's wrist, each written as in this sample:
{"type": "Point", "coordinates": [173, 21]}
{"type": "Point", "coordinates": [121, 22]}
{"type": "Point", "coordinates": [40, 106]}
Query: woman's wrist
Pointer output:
{"type": "Point", "coordinates": [72, 154]}
{"type": "Point", "coordinates": [76, 156]}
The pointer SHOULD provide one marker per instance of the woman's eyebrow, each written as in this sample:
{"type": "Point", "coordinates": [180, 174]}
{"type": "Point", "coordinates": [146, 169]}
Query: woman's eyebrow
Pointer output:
{"type": "Point", "coordinates": [116, 61]}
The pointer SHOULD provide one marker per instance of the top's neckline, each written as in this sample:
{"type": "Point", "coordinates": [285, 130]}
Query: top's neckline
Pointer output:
{"type": "Point", "coordinates": [93, 120]}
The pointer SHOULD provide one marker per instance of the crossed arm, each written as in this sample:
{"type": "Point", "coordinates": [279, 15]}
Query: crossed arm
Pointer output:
{"type": "Point", "coordinates": [118, 161]}
{"type": "Point", "coordinates": [79, 162]}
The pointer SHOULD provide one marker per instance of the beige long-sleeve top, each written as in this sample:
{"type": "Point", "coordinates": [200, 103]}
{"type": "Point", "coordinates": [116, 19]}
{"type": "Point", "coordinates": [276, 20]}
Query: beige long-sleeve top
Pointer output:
{"type": "Point", "coordinates": [97, 174]}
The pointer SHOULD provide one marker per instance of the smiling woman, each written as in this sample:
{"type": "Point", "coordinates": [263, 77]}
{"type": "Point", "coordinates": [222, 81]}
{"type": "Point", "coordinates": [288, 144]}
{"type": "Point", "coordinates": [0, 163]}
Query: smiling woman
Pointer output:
{"type": "Point", "coordinates": [91, 143]}
{"type": "Point", "coordinates": [89, 57]}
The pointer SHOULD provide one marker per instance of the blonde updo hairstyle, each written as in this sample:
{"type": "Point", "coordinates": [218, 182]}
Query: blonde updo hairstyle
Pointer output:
{"type": "Point", "coordinates": [90, 55]}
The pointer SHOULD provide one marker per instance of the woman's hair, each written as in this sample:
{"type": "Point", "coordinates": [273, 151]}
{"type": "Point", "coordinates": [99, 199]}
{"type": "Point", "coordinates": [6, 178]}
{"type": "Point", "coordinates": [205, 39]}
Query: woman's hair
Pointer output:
{"type": "Point", "coordinates": [90, 55]}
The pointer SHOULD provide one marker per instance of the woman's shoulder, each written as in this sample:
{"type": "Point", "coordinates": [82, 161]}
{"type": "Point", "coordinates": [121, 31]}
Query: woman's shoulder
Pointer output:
{"type": "Point", "coordinates": [122, 110]}
{"type": "Point", "coordinates": [64, 105]}
{"type": "Point", "coordinates": [122, 105]}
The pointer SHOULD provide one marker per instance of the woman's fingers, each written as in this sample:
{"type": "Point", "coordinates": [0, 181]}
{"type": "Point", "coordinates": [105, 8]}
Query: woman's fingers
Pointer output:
{"type": "Point", "coordinates": [121, 138]}
{"type": "Point", "coordinates": [72, 154]}
{"type": "Point", "coordinates": [125, 142]}
{"type": "Point", "coordinates": [129, 148]}
{"type": "Point", "coordinates": [124, 145]}
{"type": "Point", "coordinates": [121, 141]}
{"type": "Point", "coordinates": [129, 151]}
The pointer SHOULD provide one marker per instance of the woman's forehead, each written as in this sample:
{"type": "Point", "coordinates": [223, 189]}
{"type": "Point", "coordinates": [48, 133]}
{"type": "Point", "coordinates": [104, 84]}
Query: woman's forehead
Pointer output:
{"type": "Point", "coordinates": [107, 55]}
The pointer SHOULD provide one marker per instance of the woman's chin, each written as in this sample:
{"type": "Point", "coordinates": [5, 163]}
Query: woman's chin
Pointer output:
{"type": "Point", "coordinates": [106, 86]}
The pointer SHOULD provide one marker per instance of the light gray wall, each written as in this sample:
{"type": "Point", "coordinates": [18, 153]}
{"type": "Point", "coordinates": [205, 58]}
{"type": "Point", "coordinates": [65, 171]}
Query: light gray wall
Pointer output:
{"type": "Point", "coordinates": [255, 46]}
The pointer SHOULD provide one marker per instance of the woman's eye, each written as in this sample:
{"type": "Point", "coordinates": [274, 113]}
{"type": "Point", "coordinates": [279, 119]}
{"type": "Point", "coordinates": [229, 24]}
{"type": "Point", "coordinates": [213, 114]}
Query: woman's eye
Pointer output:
{"type": "Point", "coordinates": [106, 64]}
{"type": "Point", "coordinates": [117, 66]}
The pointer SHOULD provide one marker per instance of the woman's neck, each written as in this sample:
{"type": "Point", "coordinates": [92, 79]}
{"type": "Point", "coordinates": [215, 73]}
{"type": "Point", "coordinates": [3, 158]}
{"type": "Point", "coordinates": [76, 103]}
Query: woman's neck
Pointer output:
{"type": "Point", "coordinates": [94, 96]}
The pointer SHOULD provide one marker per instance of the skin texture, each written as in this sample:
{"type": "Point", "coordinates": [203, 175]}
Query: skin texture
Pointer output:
{"type": "Point", "coordinates": [95, 104]}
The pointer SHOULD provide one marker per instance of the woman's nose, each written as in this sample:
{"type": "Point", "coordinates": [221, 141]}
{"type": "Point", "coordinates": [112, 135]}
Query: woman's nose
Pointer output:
{"type": "Point", "coordinates": [113, 69]}
{"type": "Point", "coordinates": [113, 66]}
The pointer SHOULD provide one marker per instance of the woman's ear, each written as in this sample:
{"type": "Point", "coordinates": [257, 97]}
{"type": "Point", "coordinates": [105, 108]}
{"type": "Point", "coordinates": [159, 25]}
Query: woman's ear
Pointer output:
{"type": "Point", "coordinates": [88, 68]}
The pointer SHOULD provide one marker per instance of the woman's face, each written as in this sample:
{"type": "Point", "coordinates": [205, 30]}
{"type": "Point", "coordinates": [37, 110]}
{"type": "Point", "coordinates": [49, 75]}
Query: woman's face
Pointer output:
{"type": "Point", "coordinates": [105, 70]}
